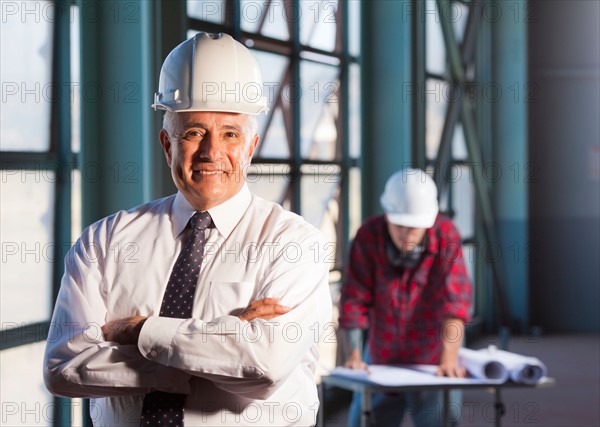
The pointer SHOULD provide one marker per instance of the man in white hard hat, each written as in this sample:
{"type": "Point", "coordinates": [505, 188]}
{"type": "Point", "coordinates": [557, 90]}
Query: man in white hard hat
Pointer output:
{"type": "Point", "coordinates": [406, 283]}
{"type": "Point", "coordinates": [210, 324]}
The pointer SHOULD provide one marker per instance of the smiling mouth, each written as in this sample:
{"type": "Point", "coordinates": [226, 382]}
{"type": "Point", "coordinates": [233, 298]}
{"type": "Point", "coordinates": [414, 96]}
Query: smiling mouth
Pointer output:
{"type": "Point", "coordinates": [211, 174]}
{"type": "Point", "coordinates": [204, 172]}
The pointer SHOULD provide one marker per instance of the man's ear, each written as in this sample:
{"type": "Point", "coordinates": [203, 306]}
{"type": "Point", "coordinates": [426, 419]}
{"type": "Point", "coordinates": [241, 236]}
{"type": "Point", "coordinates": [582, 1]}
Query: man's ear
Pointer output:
{"type": "Point", "coordinates": [252, 146]}
{"type": "Point", "coordinates": [165, 142]}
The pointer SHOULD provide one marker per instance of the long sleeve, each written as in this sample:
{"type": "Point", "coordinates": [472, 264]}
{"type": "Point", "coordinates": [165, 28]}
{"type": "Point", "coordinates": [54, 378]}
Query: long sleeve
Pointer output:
{"type": "Point", "coordinates": [78, 361]}
{"type": "Point", "coordinates": [252, 359]}
{"type": "Point", "coordinates": [455, 282]}
{"type": "Point", "coordinates": [357, 293]}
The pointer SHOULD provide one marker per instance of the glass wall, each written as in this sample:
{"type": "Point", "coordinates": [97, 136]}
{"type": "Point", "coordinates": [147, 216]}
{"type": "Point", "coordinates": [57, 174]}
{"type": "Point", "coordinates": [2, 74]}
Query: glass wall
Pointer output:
{"type": "Point", "coordinates": [38, 192]}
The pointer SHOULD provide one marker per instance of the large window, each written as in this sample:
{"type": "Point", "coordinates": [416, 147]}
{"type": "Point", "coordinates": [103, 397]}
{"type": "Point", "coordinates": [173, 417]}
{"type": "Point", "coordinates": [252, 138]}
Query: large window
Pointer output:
{"type": "Point", "coordinates": [452, 140]}
{"type": "Point", "coordinates": [308, 157]}
{"type": "Point", "coordinates": [39, 193]}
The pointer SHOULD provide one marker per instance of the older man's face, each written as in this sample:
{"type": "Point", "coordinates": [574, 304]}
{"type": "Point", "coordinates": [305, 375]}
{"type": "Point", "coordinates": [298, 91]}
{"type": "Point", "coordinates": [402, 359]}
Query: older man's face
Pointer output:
{"type": "Point", "coordinates": [208, 153]}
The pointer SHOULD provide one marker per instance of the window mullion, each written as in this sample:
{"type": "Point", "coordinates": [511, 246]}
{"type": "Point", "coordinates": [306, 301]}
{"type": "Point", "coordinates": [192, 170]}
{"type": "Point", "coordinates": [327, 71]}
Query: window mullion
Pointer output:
{"type": "Point", "coordinates": [295, 107]}
{"type": "Point", "coordinates": [60, 143]}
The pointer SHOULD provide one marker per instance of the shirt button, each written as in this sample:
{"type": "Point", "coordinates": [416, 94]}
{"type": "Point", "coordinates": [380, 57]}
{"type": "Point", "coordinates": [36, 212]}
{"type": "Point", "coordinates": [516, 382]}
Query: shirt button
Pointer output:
{"type": "Point", "coordinates": [153, 354]}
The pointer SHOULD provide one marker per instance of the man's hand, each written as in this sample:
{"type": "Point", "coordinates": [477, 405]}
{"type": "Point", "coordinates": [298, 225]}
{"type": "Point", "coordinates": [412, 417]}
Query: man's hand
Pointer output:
{"type": "Point", "coordinates": [453, 333]}
{"type": "Point", "coordinates": [265, 309]}
{"type": "Point", "coordinates": [124, 331]}
{"type": "Point", "coordinates": [356, 362]}
{"type": "Point", "coordinates": [452, 370]}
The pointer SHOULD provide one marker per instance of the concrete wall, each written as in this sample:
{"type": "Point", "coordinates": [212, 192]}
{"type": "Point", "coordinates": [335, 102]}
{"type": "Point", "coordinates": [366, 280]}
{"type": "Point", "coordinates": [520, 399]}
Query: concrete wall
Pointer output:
{"type": "Point", "coordinates": [564, 151]}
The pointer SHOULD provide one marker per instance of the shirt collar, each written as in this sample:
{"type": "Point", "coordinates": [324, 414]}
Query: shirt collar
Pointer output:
{"type": "Point", "coordinates": [225, 216]}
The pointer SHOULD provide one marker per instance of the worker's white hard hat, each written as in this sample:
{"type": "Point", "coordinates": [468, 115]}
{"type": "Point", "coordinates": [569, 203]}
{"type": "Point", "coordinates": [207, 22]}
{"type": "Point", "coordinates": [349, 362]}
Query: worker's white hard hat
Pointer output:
{"type": "Point", "coordinates": [210, 72]}
{"type": "Point", "coordinates": [410, 199]}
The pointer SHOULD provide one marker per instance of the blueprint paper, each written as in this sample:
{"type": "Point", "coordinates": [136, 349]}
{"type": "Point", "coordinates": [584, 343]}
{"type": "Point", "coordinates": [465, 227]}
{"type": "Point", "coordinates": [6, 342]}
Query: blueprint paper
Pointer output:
{"type": "Point", "coordinates": [406, 375]}
{"type": "Point", "coordinates": [486, 366]}
{"type": "Point", "coordinates": [499, 365]}
{"type": "Point", "coordinates": [522, 369]}
{"type": "Point", "coordinates": [483, 366]}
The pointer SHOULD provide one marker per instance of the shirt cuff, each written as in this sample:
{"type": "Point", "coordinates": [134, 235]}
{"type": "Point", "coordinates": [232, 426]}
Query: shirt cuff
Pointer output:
{"type": "Point", "coordinates": [156, 336]}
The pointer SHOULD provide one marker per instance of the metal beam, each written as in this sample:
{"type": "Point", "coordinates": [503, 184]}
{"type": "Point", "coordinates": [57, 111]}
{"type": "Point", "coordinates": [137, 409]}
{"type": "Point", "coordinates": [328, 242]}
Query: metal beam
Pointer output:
{"type": "Point", "coordinates": [457, 72]}
{"type": "Point", "coordinates": [60, 144]}
{"type": "Point", "coordinates": [467, 53]}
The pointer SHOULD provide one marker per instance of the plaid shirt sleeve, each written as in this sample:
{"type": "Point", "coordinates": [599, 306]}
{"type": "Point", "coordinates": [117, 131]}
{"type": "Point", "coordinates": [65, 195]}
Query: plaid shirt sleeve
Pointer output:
{"type": "Point", "coordinates": [457, 286]}
{"type": "Point", "coordinates": [357, 297]}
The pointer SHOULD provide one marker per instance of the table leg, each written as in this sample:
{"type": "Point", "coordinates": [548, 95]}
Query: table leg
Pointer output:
{"type": "Point", "coordinates": [499, 409]}
{"type": "Point", "coordinates": [320, 414]}
{"type": "Point", "coordinates": [365, 413]}
{"type": "Point", "coordinates": [446, 409]}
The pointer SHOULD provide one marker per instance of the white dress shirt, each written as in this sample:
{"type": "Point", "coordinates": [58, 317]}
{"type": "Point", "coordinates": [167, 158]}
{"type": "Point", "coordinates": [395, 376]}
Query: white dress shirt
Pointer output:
{"type": "Point", "coordinates": [233, 372]}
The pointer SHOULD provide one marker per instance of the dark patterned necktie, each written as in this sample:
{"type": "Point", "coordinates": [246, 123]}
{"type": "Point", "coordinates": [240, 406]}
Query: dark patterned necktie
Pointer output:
{"type": "Point", "coordinates": [161, 408]}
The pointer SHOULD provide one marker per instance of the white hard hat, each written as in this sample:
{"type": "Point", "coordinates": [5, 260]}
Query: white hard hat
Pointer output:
{"type": "Point", "coordinates": [211, 72]}
{"type": "Point", "coordinates": [410, 199]}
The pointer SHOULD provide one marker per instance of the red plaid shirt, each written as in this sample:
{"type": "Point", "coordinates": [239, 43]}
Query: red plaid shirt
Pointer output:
{"type": "Point", "coordinates": [404, 309]}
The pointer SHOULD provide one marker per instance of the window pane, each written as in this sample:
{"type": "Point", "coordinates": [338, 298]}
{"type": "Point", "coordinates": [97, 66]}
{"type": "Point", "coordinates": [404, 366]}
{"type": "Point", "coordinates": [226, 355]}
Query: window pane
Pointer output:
{"type": "Point", "coordinates": [319, 110]}
{"type": "Point", "coordinates": [321, 208]}
{"type": "Point", "coordinates": [28, 247]}
{"type": "Point", "coordinates": [76, 79]}
{"type": "Point", "coordinates": [470, 257]}
{"type": "Point", "coordinates": [317, 193]}
{"type": "Point", "coordinates": [454, 12]}
{"type": "Point", "coordinates": [75, 205]}
{"type": "Point", "coordinates": [459, 146]}
{"type": "Point", "coordinates": [318, 23]}
{"type": "Point", "coordinates": [27, 89]}
{"type": "Point", "coordinates": [435, 115]}
{"type": "Point", "coordinates": [25, 400]}
{"type": "Point", "coordinates": [275, 141]}
{"type": "Point", "coordinates": [354, 27]}
{"type": "Point", "coordinates": [354, 121]}
{"type": "Point", "coordinates": [463, 200]}
{"type": "Point", "coordinates": [435, 50]}
{"type": "Point", "coordinates": [457, 13]}
{"type": "Point", "coordinates": [207, 10]}
{"type": "Point", "coordinates": [265, 18]}
{"type": "Point", "coordinates": [273, 68]}
{"type": "Point", "coordinates": [437, 96]}
{"type": "Point", "coordinates": [269, 181]}
{"type": "Point", "coordinates": [354, 202]}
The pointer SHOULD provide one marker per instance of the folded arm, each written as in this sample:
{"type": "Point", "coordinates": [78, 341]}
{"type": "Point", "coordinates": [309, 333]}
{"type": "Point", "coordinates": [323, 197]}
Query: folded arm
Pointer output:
{"type": "Point", "coordinates": [253, 354]}
{"type": "Point", "coordinates": [78, 361]}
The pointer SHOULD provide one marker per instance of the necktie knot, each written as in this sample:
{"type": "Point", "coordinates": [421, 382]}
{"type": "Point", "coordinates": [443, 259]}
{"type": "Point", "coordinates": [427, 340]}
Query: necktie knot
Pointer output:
{"type": "Point", "coordinates": [201, 220]}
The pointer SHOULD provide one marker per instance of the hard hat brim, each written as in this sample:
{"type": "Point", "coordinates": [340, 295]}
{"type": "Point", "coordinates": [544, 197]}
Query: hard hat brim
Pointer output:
{"type": "Point", "coordinates": [412, 221]}
{"type": "Point", "coordinates": [255, 111]}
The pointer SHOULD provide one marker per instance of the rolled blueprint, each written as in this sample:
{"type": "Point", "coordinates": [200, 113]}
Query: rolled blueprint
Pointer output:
{"type": "Point", "coordinates": [483, 366]}
{"type": "Point", "coordinates": [523, 369]}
